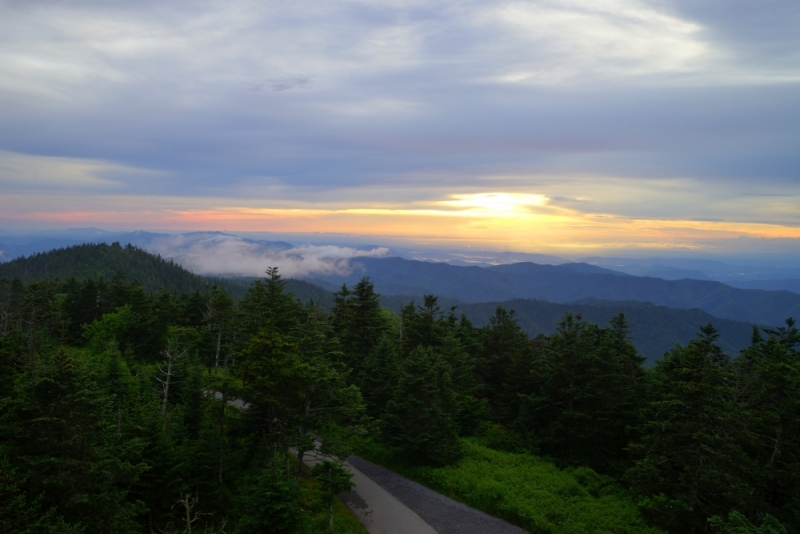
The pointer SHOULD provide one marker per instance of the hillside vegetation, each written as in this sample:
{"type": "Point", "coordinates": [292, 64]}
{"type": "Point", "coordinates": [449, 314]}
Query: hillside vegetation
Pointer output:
{"type": "Point", "coordinates": [525, 490]}
{"type": "Point", "coordinates": [109, 261]}
{"type": "Point", "coordinates": [654, 330]}
{"type": "Point", "coordinates": [107, 424]}
{"type": "Point", "coordinates": [569, 283]}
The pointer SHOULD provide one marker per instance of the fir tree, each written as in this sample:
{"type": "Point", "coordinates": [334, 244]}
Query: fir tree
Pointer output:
{"type": "Point", "coordinates": [420, 417]}
{"type": "Point", "coordinates": [690, 463]}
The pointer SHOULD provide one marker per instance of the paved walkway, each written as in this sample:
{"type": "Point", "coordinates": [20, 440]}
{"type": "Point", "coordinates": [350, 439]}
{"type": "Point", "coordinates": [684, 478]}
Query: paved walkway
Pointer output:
{"type": "Point", "coordinates": [441, 514]}
{"type": "Point", "coordinates": [379, 511]}
{"type": "Point", "coordinates": [387, 503]}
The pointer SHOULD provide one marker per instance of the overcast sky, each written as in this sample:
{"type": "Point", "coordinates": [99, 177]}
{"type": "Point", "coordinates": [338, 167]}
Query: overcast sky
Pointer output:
{"type": "Point", "coordinates": [550, 126]}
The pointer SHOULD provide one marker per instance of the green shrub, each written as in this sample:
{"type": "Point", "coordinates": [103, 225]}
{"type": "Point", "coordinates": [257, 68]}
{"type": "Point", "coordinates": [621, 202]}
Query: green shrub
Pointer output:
{"type": "Point", "coordinates": [525, 490]}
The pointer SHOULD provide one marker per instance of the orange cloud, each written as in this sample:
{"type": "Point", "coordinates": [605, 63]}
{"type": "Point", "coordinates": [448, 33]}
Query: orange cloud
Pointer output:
{"type": "Point", "coordinates": [499, 222]}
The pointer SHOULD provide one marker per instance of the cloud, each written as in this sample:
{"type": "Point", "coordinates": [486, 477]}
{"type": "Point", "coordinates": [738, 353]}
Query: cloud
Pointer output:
{"type": "Point", "coordinates": [185, 106]}
{"type": "Point", "coordinates": [47, 173]}
{"type": "Point", "coordinates": [222, 254]}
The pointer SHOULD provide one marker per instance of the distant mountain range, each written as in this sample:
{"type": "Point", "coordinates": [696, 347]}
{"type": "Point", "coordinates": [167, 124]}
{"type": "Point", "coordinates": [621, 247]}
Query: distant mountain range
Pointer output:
{"type": "Point", "coordinates": [654, 329]}
{"type": "Point", "coordinates": [697, 269]}
{"type": "Point", "coordinates": [226, 255]}
{"type": "Point", "coordinates": [256, 248]}
{"type": "Point", "coordinates": [568, 283]}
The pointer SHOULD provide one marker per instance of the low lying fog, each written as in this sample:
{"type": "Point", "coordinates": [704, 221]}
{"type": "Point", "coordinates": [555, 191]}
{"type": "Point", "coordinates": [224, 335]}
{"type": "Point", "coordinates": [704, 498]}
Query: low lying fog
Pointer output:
{"type": "Point", "coordinates": [239, 257]}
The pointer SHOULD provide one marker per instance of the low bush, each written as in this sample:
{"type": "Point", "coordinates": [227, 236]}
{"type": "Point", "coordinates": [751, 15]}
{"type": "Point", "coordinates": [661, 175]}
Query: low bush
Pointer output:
{"type": "Point", "coordinates": [525, 490]}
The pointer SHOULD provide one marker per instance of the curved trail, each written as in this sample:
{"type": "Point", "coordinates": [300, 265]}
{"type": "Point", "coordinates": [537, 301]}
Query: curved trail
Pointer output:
{"type": "Point", "coordinates": [379, 511]}
{"type": "Point", "coordinates": [387, 503]}
{"type": "Point", "coordinates": [442, 514]}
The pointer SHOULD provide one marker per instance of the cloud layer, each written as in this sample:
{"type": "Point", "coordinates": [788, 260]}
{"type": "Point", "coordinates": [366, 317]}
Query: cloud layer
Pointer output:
{"type": "Point", "coordinates": [228, 255]}
{"type": "Point", "coordinates": [190, 114]}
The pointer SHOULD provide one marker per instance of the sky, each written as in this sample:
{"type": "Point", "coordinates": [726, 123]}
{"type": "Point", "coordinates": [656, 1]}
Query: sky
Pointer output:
{"type": "Point", "coordinates": [552, 126]}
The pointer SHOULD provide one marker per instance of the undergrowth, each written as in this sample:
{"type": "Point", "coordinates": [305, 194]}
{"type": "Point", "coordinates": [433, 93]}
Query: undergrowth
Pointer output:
{"type": "Point", "coordinates": [315, 504]}
{"type": "Point", "coordinates": [524, 490]}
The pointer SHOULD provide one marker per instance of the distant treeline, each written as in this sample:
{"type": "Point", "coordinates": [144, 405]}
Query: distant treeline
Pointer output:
{"type": "Point", "coordinates": [109, 262]}
{"type": "Point", "coordinates": [654, 329]}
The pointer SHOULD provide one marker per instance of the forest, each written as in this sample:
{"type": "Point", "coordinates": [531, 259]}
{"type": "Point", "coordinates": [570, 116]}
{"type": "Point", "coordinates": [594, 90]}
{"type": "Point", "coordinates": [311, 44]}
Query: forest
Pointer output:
{"type": "Point", "coordinates": [127, 409]}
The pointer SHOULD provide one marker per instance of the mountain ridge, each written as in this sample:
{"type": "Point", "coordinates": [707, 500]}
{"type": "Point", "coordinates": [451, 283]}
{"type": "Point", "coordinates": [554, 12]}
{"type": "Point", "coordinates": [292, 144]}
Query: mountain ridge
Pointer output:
{"type": "Point", "coordinates": [559, 284]}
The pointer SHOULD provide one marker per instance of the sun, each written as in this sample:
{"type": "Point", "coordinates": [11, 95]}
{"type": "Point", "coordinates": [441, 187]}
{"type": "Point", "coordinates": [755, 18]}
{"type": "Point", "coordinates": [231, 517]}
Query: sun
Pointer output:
{"type": "Point", "coordinates": [495, 204]}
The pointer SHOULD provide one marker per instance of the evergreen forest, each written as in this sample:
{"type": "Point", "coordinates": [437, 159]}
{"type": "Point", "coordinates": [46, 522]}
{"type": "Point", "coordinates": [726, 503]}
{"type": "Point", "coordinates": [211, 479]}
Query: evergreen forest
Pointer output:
{"type": "Point", "coordinates": [129, 408]}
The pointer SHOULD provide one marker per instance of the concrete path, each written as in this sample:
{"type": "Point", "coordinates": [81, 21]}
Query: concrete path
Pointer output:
{"type": "Point", "coordinates": [441, 514]}
{"type": "Point", "coordinates": [387, 503]}
{"type": "Point", "coordinates": [378, 510]}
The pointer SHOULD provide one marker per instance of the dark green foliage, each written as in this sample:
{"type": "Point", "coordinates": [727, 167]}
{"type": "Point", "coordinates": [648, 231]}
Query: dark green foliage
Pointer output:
{"type": "Point", "coordinates": [381, 371]}
{"type": "Point", "coordinates": [92, 440]}
{"type": "Point", "coordinates": [269, 502]}
{"type": "Point", "coordinates": [690, 464]}
{"type": "Point", "coordinates": [359, 324]}
{"type": "Point", "coordinates": [96, 261]}
{"type": "Point", "coordinates": [505, 352]}
{"type": "Point", "coordinates": [421, 415]}
{"type": "Point", "coordinates": [19, 514]}
{"type": "Point", "coordinates": [267, 304]}
{"type": "Point", "coordinates": [422, 325]}
{"type": "Point", "coordinates": [584, 387]}
{"type": "Point", "coordinates": [272, 376]}
{"type": "Point", "coordinates": [654, 329]}
{"type": "Point", "coordinates": [62, 434]}
{"type": "Point", "coordinates": [334, 479]}
{"type": "Point", "coordinates": [768, 394]}
{"type": "Point", "coordinates": [736, 523]}
{"type": "Point", "coordinates": [93, 443]}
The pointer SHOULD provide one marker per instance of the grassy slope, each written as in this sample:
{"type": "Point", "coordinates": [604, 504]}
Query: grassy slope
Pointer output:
{"type": "Point", "coordinates": [525, 490]}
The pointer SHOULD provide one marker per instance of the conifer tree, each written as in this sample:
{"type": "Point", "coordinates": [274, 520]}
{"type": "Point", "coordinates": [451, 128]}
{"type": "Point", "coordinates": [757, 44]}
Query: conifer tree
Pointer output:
{"type": "Point", "coordinates": [358, 322]}
{"type": "Point", "coordinates": [584, 387]}
{"type": "Point", "coordinates": [690, 465]}
{"type": "Point", "coordinates": [67, 440]}
{"type": "Point", "coordinates": [381, 374]}
{"type": "Point", "coordinates": [273, 375]}
{"type": "Point", "coordinates": [421, 416]}
{"type": "Point", "coordinates": [335, 479]}
{"type": "Point", "coordinates": [268, 304]}
{"type": "Point", "coordinates": [326, 399]}
{"type": "Point", "coordinates": [771, 399]}
{"type": "Point", "coordinates": [20, 514]}
{"type": "Point", "coordinates": [269, 503]}
{"type": "Point", "coordinates": [219, 319]}
{"type": "Point", "coordinates": [503, 343]}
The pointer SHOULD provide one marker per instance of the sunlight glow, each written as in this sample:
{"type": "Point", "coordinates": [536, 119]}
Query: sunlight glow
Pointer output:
{"type": "Point", "coordinates": [495, 204]}
{"type": "Point", "coordinates": [494, 220]}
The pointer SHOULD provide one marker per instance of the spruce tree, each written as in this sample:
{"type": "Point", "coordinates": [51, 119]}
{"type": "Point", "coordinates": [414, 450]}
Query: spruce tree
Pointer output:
{"type": "Point", "coordinates": [67, 441]}
{"type": "Point", "coordinates": [381, 375]}
{"type": "Point", "coordinates": [269, 501]}
{"type": "Point", "coordinates": [503, 343]}
{"type": "Point", "coordinates": [335, 480]}
{"type": "Point", "coordinates": [770, 371]}
{"type": "Point", "coordinates": [359, 323]}
{"type": "Point", "coordinates": [421, 416]}
{"type": "Point", "coordinates": [689, 462]}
